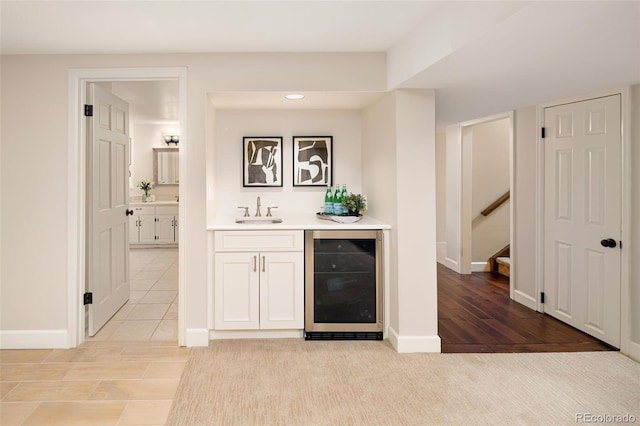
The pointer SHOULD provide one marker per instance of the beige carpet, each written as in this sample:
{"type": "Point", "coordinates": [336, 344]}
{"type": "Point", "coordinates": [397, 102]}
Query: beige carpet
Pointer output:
{"type": "Point", "coordinates": [294, 382]}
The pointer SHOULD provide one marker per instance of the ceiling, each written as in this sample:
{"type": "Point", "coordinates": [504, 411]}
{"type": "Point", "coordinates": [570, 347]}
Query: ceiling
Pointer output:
{"type": "Point", "coordinates": [541, 52]}
{"type": "Point", "coordinates": [73, 27]}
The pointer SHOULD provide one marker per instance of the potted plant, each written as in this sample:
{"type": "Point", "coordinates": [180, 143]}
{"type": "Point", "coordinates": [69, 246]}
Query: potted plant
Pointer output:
{"type": "Point", "coordinates": [355, 203]}
{"type": "Point", "coordinates": [146, 186]}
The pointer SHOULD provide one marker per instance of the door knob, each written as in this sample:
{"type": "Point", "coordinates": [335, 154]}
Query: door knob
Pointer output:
{"type": "Point", "coordinates": [129, 212]}
{"type": "Point", "coordinates": [609, 242]}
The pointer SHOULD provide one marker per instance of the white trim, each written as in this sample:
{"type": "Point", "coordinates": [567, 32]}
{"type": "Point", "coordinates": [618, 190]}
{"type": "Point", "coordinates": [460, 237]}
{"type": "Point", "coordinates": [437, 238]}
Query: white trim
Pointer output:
{"type": "Point", "coordinates": [626, 345]}
{"type": "Point", "coordinates": [634, 350]}
{"type": "Point", "coordinates": [414, 344]}
{"type": "Point", "coordinates": [480, 267]}
{"type": "Point", "coordinates": [466, 194]}
{"type": "Point", "coordinates": [77, 78]}
{"type": "Point", "coordinates": [625, 260]}
{"type": "Point", "coordinates": [464, 213]}
{"type": "Point", "coordinates": [524, 299]}
{"type": "Point", "coordinates": [441, 251]}
{"type": "Point", "coordinates": [452, 264]}
{"type": "Point", "coordinates": [255, 334]}
{"type": "Point", "coordinates": [34, 339]}
{"type": "Point", "coordinates": [197, 337]}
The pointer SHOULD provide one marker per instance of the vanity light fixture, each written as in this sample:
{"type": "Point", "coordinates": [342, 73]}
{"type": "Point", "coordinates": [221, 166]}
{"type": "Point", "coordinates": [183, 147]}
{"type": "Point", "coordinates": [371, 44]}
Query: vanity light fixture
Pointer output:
{"type": "Point", "coordinates": [294, 96]}
{"type": "Point", "coordinates": [169, 139]}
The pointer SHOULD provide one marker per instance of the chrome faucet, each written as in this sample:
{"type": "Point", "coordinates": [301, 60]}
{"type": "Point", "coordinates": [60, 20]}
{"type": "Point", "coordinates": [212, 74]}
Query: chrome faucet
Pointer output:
{"type": "Point", "coordinates": [258, 214]}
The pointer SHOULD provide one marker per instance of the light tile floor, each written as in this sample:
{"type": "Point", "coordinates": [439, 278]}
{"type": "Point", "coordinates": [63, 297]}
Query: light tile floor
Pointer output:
{"type": "Point", "coordinates": [125, 375]}
{"type": "Point", "coordinates": [99, 382]}
{"type": "Point", "coordinates": [152, 311]}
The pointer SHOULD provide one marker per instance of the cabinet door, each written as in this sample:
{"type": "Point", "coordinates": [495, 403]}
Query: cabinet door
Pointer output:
{"type": "Point", "coordinates": [133, 229]}
{"type": "Point", "coordinates": [236, 291]}
{"type": "Point", "coordinates": [282, 290]}
{"type": "Point", "coordinates": [147, 230]}
{"type": "Point", "coordinates": [164, 229]}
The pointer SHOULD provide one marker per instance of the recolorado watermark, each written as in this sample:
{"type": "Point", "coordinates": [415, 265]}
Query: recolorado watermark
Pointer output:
{"type": "Point", "coordinates": [605, 418]}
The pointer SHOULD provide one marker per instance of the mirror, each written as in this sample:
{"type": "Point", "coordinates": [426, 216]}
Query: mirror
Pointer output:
{"type": "Point", "coordinates": [165, 166]}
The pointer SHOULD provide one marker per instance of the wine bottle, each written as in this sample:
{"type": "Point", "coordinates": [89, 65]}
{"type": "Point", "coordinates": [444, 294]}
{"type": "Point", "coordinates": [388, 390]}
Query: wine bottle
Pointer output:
{"type": "Point", "coordinates": [328, 201]}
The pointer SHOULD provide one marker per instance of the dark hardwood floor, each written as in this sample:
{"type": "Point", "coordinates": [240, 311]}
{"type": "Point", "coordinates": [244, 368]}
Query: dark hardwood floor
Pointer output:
{"type": "Point", "coordinates": [475, 314]}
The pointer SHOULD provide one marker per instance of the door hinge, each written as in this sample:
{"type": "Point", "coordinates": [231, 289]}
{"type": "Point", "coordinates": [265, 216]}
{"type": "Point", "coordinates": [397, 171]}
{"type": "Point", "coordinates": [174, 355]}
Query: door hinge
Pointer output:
{"type": "Point", "coordinates": [88, 298]}
{"type": "Point", "coordinates": [543, 132]}
{"type": "Point", "coordinates": [88, 110]}
{"type": "Point", "coordinates": [542, 297]}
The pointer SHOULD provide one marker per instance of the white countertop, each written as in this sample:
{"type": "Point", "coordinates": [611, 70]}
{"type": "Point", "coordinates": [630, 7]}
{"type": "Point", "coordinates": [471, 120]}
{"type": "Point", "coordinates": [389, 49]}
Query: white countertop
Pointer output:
{"type": "Point", "coordinates": [153, 203]}
{"type": "Point", "coordinates": [297, 221]}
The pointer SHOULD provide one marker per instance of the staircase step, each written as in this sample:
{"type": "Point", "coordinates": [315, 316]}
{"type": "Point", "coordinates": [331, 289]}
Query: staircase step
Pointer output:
{"type": "Point", "coordinates": [504, 265]}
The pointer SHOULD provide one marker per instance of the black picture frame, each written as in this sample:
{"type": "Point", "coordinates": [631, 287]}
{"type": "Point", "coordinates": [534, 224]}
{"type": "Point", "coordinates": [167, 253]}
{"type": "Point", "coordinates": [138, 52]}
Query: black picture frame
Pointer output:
{"type": "Point", "coordinates": [312, 161]}
{"type": "Point", "coordinates": [262, 161]}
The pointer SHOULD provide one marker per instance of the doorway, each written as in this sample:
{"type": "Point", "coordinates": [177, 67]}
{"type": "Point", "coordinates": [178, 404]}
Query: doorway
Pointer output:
{"type": "Point", "coordinates": [77, 220]}
{"type": "Point", "coordinates": [149, 309]}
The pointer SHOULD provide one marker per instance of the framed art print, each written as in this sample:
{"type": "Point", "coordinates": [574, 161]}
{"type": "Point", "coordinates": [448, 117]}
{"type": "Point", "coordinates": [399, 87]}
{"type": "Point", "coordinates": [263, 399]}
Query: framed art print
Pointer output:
{"type": "Point", "coordinates": [262, 161]}
{"type": "Point", "coordinates": [312, 160]}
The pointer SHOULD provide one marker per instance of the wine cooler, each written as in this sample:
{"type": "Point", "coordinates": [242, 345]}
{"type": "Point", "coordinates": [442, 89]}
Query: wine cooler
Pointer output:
{"type": "Point", "coordinates": [343, 285]}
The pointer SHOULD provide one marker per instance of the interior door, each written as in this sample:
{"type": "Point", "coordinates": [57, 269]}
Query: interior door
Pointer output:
{"type": "Point", "coordinates": [107, 195]}
{"type": "Point", "coordinates": [582, 217]}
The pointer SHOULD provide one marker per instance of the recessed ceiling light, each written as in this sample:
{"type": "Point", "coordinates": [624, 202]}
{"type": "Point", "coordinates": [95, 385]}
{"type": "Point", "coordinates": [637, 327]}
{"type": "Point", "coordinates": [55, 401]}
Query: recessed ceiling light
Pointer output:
{"type": "Point", "coordinates": [294, 96]}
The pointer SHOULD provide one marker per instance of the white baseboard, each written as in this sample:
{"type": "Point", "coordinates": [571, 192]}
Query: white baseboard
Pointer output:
{"type": "Point", "coordinates": [414, 344]}
{"type": "Point", "coordinates": [255, 334]}
{"type": "Point", "coordinates": [441, 251]}
{"type": "Point", "coordinates": [34, 339]}
{"type": "Point", "coordinates": [197, 337]}
{"type": "Point", "coordinates": [452, 264]}
{"type": "Point", "coordinates": [480, 267]}
{"type": "Point", "coordinates": [525, 299]}
{"type": "Point", "coordinates": [634, 351]}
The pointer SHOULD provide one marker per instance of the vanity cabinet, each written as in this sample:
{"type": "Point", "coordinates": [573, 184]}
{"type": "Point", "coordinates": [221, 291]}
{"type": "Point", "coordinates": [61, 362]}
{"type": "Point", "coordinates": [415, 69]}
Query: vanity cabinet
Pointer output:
{"type": "Point", "coordinates": [153, 224]}
{"type": "Point", "coordinates": [259, 280]}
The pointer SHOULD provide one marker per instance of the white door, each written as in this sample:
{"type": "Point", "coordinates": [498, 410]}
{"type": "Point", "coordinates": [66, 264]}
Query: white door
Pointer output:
{"type": "Point", "coordinates": [281, 290]}
{"type": "Point", "coordinates": [582, 217]}
{"type": "Point", "coordinates": [107, 195]}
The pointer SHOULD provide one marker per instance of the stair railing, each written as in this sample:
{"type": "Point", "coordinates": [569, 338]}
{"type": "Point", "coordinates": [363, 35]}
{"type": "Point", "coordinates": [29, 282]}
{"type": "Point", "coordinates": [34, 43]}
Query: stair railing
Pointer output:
{"type": "Point", "coordinates": [497, 203]}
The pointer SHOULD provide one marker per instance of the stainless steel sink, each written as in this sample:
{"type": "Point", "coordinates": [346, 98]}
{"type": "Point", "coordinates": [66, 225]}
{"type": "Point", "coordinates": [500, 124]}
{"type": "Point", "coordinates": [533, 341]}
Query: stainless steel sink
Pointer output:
{"type": "Point", "coordinates": [258, 220]}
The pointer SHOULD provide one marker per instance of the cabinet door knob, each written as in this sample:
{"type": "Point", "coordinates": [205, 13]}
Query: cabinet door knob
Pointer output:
{"type": "Point", "coordinates": [263, 264]}
{"type": "Point", "coordinates": [255, 258]}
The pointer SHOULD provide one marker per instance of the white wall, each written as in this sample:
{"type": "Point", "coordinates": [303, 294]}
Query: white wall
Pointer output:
{"type": "Point", "coordinates": [491, 179]}
{"type": "Point", "coordinates": [453, 197]}
{"type": "Point", "coordinates": [523, 246]}
{"type": "Point", "coordinates": [379, 179]}
{"type": "Point", "coordinates": [145, 137]}
{"type": "Point", "coordinates": [35, 161]}
{"type": "Point", "coordinates": [399, 177]}
{"type": "Point", "coordinates": [231, 125]}
{"type": "Point", "coordinates": [441, 195]}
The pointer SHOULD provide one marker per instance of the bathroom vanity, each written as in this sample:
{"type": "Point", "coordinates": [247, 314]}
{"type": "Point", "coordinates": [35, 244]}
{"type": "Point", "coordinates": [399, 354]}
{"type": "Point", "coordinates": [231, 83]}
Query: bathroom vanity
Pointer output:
{"type": "Point", "coordinates": [153, 224]}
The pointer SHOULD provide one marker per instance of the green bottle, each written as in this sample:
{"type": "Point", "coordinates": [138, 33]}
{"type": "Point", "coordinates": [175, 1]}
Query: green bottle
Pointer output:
{"type": "Point", "coordinates": [328, 201]}
{"type": "Point", "coordinates": [337, 201]}
{"type": "Point", "coordinates": [345, 210]}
